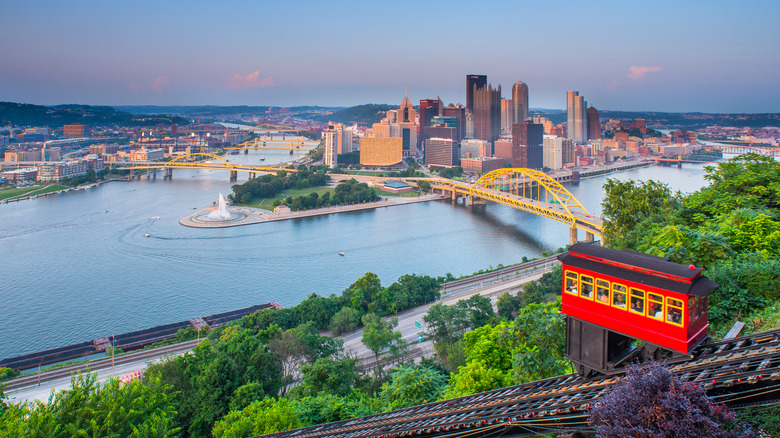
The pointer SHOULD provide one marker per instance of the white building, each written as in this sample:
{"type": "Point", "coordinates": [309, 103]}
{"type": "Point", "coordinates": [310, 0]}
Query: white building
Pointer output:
{"type": "Point", "coordinates": [330, 140]}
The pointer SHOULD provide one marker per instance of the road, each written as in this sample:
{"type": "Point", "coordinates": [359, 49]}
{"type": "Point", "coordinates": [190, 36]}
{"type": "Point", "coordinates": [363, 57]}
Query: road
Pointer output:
{"type": "Point", "coordinates": [29, 388]}
{"type": "Point", "coordinates": [407, 319]}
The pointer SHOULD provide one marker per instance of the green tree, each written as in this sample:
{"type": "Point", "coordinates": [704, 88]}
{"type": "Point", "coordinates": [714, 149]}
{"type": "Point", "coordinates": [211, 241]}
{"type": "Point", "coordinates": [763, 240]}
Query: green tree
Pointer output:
{"type": "Point", "coordinates": [425, 186]}
{"type": "Point", "coordinates": [627, 203]}
{"type": "Point", "coordinates": [136, 409]}
{"type": "Point", "coordinates": [264, 416]}
{"type": "Point", "coordinates": [344, 320]}
{"type": "Point", "coordinates": [378, 336]}
{"type": "Point", "coordinates": [363, 293]}
{"type": "Point", "coordinates": [412, 385]}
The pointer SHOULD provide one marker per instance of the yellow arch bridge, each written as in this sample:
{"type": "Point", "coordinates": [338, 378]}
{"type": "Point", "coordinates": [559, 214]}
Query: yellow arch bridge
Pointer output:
{"type": "Point", "coordinates": [287, 145]}
{"type": "Point", "coordinates": [200, 160]}
{"type": "Point", "coordinates": [528, 190]}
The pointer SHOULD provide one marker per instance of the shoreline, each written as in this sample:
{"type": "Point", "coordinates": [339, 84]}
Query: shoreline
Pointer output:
{"type": "Point", "coordinates": [257, 216]}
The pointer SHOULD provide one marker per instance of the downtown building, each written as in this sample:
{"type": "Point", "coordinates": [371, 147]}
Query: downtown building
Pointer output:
{"type": "Point", "coordinates": [441, 152]}
{"type": "Point", "coordinates": [576, 121]}
{"type": "Point", "coordinates": [558, 152]}
{"type": "Point", "coordinates": [330, 149]}
{"type": "Point", "coordinates": [487, 113]}
{"type": "Point", "coordinates": [519, 102]}
{"type": "Point", "coordinates": [527, 138]}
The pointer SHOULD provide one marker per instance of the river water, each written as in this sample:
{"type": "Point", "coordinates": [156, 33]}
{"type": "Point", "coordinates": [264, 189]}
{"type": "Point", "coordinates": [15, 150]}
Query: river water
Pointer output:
{"type": "Point", "coordinates": [73, 272]}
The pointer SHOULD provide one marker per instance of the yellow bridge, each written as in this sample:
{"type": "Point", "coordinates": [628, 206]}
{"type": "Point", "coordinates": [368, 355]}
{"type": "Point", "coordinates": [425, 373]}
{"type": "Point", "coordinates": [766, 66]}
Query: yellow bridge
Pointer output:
{"type": "Point", "coordinates": [528, 190]}
{"type": "Point", "coordinates": [287, 145]}
{"type": "Point", "coordinates": [198, 161]}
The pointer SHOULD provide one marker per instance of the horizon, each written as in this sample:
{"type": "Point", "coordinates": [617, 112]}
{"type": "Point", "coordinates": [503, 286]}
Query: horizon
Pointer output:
{"type": "Point", "coordinates": [713, 57]}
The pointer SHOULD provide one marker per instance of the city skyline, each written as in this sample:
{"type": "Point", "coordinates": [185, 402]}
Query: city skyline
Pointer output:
{"type": "Point", "coordinates": [695, 56]}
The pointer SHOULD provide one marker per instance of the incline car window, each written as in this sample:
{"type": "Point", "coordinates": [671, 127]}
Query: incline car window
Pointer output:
{"type": "Point", "coordinates": [602, 291]}
{"type": "Point", "coordinates": [637, 301]}
{"type": "Point", "coordinates": [571, 282]}
{"type": "Point", "coordinates": [674, 311]}
{"type": "Point", "coordinates": [586, 287]}
{"type": "Point", "coordinates": [619, 296]}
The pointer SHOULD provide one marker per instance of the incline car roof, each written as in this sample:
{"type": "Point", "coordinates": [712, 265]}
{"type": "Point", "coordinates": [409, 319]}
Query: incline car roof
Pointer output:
{"type": "Point", "coordinates": [639, 268]}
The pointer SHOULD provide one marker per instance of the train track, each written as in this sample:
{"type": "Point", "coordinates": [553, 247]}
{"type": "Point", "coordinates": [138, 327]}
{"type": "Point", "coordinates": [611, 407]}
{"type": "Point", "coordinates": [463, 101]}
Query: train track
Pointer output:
{"type": "Point", "coordinates": [46, 376]}
{"type": "Point", "coordinates": [739, 372]}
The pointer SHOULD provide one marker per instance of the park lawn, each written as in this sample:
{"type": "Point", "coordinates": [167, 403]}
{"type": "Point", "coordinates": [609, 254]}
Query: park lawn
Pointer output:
{"type": "Point", "coordinates": [268, 203]}
{"type": "Point", "coordinates": [30, 191]}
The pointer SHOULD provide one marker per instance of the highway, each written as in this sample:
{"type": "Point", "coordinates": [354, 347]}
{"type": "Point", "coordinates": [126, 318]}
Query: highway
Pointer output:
{"type": "Point", "coordinates": [34, 387]}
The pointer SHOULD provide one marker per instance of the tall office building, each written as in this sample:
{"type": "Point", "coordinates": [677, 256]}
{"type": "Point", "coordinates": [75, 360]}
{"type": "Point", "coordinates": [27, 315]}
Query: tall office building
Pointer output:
{"type": "Point", "coordinates": [527, 151]}
{"type": "Point", "coordinates": [429, 108]}
{"type": "Point", "coordinates": [472, 81]}
{"type": "Point", "coordinates": [330, 139]}
{"type": "Point", "coordinates": [576, 127]}
{"type": "Point", "coordinates": [520, 102]}
{"type": "Point", "coordinates": [408, 126]}
{"type": "Point", "coordinates": [594, 125]}
{"type": "Point", "coordinates": [507, 114]}
{"type": "Point", "coordinates": [487, 113]}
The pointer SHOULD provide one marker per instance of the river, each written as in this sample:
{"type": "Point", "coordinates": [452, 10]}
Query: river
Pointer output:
{"type": "Point", "coordinates": [77, 266]}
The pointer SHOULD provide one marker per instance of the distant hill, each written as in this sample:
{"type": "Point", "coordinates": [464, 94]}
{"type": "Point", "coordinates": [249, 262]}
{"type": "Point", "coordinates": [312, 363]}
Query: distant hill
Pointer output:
{"type": "Point", "coordinates": [367, 114]}
{"type": "Point", "coordinates": [24, 114]}
{"type": "Point", "coordinates": [661, 120]}
{"type": "Point", "coordinates": [695, 120]}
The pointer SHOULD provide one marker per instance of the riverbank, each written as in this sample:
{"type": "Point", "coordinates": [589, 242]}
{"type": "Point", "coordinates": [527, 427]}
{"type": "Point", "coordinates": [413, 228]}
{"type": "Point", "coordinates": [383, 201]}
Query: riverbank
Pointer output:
{"type": "Point", "coordinates": [256, 216]}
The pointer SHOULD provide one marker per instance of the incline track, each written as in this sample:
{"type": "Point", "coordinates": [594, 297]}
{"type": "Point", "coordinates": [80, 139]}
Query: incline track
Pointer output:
{"type": "Point", "coordinates": [739, 372]}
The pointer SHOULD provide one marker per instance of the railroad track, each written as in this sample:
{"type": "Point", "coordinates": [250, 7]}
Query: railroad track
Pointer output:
{"type": "Point", "coordinates": [46, 376]}
{"type": "Point", "coordinates": [739, 372]}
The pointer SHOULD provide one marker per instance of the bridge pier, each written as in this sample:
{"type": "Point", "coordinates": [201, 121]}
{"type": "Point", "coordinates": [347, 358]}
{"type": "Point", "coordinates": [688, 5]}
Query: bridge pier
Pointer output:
{"type": "Point", "coordinates": [572, 235]}
{"type": "Point", "coordinates": [233, 175]}
{"type": "Point", "coordinates": [588, 237]}
{"type": "Point", "coordinates": [246, 151]}
{"type": "Point", "coordinates": [168, 173]}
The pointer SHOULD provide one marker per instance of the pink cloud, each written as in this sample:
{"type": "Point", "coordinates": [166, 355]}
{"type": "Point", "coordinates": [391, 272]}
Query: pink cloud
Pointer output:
{"type": "Point", "coordinates": [135, 87]}
{"type": "Point", "coordinates": [251, 80]}
{"type": "Point", "coordinates": [638, 73]}
{"type": "Point", "coordinates": [160, 83]}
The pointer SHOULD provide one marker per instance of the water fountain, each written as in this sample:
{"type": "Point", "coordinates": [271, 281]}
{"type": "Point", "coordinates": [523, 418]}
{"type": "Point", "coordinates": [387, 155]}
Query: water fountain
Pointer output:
{"type": "Point", "coordinates": [222, 216]}
{"type": "Point", "coordinates": [221, 213]}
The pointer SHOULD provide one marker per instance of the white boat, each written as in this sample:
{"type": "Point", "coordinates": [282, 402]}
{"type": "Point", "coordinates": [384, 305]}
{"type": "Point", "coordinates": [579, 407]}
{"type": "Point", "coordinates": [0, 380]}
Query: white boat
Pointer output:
{"type": "Point", "coordinates": [341, 253]}
{"type": "Point", "coordinates": [146, 235]}
{"type": "Point", "coordinates": [262, 157]}
{"type": "Point", "coordinates": [105, 211]}
{"type": "Point", "coordinates": [154, 218]}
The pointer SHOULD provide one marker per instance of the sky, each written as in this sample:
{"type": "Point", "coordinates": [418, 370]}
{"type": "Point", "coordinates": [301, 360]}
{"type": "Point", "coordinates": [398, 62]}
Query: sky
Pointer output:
{"type": "Point", "coordinates": [705, 56]}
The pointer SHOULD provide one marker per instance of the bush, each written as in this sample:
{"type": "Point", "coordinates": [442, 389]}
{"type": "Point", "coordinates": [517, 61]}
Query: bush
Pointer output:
{"type": "Point", "coordinates": [652, 402]}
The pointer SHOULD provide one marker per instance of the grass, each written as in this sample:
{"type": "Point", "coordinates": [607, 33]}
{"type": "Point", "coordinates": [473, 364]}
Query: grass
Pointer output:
{"type": "Point", "coordinates": [268, 203]}
{"type": "Point", "coordinates": [29, 191]}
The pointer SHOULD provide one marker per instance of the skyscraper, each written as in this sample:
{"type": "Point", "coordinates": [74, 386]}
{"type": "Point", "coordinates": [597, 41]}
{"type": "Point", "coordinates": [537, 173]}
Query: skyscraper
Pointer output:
{"type": "Point", "coordinates": [478, 81]}
{"type": "Point", "coordinates": [329, 138]}
{"type": "Point", "coordinates": [527, 151]}
{"type": "Point", "coordinates": [520, 102]}
{"type": "Point", "coordinates": [487, 113]}
{"type": "Point", "coordinates": [507, 114]}
{"type": "Point", "coordinates": [408, 127]}
{"type": "Point", "coordinates": [576, 127]}
{"type": "Point", "coordinates": [594, 125]}
{"type": "Point", "coordinates": [429, 108]}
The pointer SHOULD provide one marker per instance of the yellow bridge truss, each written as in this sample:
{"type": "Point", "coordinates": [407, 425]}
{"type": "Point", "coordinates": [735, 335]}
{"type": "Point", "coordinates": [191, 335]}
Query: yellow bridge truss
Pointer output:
{"type": "Point", "coordinates": [182, 162]}
{"type": "Point", "coordinates": [528, 190]}
{"type": "Point", "coordinates": [287, 145]}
